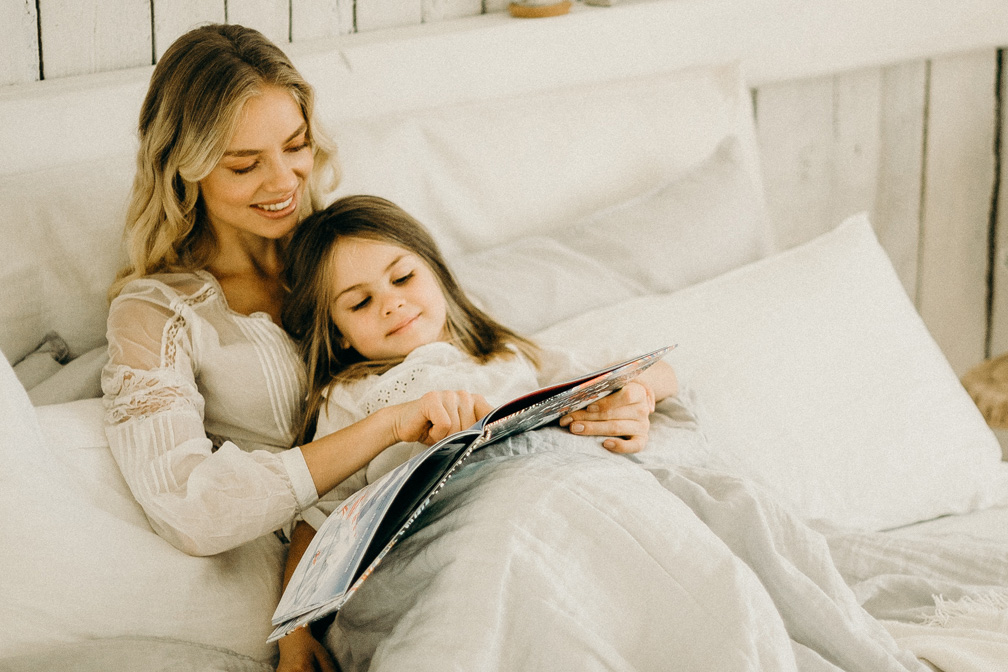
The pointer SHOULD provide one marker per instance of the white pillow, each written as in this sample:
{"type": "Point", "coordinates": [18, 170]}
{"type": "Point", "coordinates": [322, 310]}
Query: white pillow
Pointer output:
{"type": "Point", "coordinates": [484, 173]}
{"type": "Point", "coordinates": [703, 223]}
{"type": "Point", "coordinates": [62, 232]}
{"type": "Point", "coordinates": [708, 221]}
{"type": "Point", "coordinates": [815, 375]}
{"type": "Point", "coordinates": [81, 562]}
{"type": "Point", "coordinates": [534, 282]}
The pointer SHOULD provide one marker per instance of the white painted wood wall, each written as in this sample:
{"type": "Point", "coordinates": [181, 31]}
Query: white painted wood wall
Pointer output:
{"type": "Point", "coordinates": [915, 142]}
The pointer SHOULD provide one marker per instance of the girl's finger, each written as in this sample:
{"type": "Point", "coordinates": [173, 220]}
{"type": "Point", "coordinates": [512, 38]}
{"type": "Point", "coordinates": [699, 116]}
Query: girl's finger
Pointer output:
{"type": "Point", "coordinates": [438, 417]}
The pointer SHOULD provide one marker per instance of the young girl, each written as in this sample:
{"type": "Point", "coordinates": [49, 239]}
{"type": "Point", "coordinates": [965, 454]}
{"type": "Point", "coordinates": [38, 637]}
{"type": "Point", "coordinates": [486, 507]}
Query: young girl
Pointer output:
{"type": "Point", "coordinates": [380, 320]}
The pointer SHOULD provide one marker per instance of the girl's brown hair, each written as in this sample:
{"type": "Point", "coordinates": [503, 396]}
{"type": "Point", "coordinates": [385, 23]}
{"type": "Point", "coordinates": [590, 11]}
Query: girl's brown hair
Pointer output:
{"type": "Point", "coordinates": [191, 110]}
{"type": "Point", "coordinates": [307, 314]}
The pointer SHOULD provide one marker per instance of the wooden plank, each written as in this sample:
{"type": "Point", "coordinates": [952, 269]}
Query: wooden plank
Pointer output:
{"type": "Point", "coordinates": [959, 178]}
{"type": "Point", "coordinates": [794, 129]}
{"type": "Point", "coordinates": [378, 14]}
{"type": "Point", "coordinates": [777, 40]}
{"type": "Point", "coordinates": [270, 17]}
{"type": "Point", "coordinates": [314, 19]}
{"type": "Point", "coordinates": [442, 10]}
{"type": "Point", "coordinates": [84, 37]}
{"type": "Point", "coordinates": [19, 53]}
{"type": "Point", "coordinates": [897, 213]}
{"type": "Point", "coordinates": [174, 17]}
{"type": "Point", "coordinates": [856, 143]}
{"type": "Point", "coordinates": [832, 147]}
{"type": "Point", "coordinates": [998, 337]}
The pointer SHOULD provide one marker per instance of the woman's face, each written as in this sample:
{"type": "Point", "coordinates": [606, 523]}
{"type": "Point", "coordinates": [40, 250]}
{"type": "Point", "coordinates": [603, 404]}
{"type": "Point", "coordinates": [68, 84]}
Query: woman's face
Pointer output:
{"type": "Point", "coordinates": [388, 301]}
{"type": "Point", "coordinates": [257, 187]}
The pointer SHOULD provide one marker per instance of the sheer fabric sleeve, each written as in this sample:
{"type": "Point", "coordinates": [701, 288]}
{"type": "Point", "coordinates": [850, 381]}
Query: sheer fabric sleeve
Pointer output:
{"type": "Point", "coordinates": [200, 500]}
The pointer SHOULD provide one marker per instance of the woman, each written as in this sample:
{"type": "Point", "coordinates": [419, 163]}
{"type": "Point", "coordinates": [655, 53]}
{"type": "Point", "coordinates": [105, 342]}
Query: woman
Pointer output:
{"type": "Point", "coordinates": [203, 387]}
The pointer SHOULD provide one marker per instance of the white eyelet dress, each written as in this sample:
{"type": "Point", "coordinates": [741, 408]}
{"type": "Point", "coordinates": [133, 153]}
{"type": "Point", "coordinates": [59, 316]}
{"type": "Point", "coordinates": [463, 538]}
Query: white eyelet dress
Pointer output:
{"type": "Point", "coordinates": [201, 404]}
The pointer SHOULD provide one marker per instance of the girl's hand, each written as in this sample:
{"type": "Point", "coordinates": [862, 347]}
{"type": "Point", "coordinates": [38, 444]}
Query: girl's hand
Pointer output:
{"type": "Point", "coordinates": [435, 415]}
{"type": "Point", "coordinates": [301, 652]}
{"type": "Point", "coordinates": [623, 416]}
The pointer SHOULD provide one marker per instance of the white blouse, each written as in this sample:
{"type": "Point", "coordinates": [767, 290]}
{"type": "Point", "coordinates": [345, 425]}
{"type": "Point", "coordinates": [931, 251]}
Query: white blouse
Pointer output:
{"type": "Point", "coordinates": [436, 366]}
{"type": "Point", "coordinates": [201, 406]}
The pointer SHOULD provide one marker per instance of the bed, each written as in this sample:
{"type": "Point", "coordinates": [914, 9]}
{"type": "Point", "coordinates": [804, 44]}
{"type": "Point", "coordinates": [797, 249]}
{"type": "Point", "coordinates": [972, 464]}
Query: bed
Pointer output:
{"type": "Point", "coordinates": [606, 206]}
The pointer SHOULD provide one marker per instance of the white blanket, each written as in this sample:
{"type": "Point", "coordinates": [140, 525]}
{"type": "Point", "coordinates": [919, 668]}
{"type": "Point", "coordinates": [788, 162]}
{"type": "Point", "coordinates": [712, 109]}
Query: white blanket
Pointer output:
{"type": "Point", "coordinates": [942, 593]}
{"type": "Point", "coordinates": [553, 554]}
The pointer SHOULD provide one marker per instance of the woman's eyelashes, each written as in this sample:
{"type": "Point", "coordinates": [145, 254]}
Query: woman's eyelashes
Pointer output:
{"type": "Point", "coordinates": [294, 149]}
{"type": "Point", "coordinates": [245, 169]}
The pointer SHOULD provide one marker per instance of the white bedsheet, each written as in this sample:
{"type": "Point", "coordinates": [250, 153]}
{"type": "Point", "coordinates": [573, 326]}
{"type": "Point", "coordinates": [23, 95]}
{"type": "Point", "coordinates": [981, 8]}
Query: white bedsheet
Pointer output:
{"type": "Point", "coordinates": [940, 588]}
{"type": "Point", "coordinates": [566, 557]}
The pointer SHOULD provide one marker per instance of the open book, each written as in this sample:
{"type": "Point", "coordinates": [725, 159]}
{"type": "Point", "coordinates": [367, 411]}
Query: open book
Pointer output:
{"type": "Point", "coordinates": [357, 535]}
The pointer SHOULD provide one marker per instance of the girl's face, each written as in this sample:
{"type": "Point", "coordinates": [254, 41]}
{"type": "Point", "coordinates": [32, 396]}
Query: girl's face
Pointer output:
{"type": "Point", "coordinates": [388, 301]}
{"type": "Point", "coordinates": [255, 190]}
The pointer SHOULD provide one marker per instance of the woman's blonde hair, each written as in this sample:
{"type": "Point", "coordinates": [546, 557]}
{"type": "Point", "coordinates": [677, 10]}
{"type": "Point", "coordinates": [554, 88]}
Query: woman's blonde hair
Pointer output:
{"type": "Point", "coordinates": [191, 111]}
{"type": "Point", "coordinates": [307, 313]}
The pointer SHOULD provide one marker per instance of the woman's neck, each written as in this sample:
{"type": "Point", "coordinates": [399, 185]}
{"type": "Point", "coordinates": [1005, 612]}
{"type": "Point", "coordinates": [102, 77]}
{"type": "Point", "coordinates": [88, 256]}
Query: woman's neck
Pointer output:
{"type": "Point", "coordinates": [249, 274]}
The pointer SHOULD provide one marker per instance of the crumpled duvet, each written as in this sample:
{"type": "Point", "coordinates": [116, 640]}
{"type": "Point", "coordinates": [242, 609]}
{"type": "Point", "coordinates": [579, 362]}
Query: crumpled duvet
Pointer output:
{"type": "Point", "coordinates": [940, 588]}
{"type": "Point", "coordinates": [548, 553]}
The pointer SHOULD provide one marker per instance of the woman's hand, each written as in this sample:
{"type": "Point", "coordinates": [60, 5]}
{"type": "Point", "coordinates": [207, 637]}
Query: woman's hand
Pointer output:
{"type": "Point", "coordinates": [435, 415]}
{"type": "Point", "coordinates": [301, 652]}
{"type": "Point", "coordinates": [623, 417]}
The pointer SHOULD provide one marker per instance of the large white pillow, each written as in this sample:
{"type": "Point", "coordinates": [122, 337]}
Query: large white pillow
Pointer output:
{"type": "Point", "coordinates": [531, 283]}
{"type": "Point", "coordinates": [62, 231]}
{"type": "Point", "coordinates": [80, 561]}
{"type": "Point", "coordinates": [485, 173]}
{"type": "Point", "coordinates": [704, 222]}
{"type": "Point", "coordinates": [814, 374]}
{"type": "Point", "coordinates": [708, 221]}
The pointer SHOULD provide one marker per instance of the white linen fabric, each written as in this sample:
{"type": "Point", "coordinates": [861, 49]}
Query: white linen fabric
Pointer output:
{"type": "Point", "coordinates": [553, 554]}
{"type": "Point", "coordinates": [146, 654]}
{"type": "Point", "coordinates": [815, 376]}
{"type": "Point", "coordinates": [201, 405]}
{"type": "Point", "coordinates": [939, 589]}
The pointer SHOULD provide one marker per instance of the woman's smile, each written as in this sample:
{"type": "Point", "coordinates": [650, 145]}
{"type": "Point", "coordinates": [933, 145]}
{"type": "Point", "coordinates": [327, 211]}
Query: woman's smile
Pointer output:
{"type": "Point", "coordinates": [278, 209]}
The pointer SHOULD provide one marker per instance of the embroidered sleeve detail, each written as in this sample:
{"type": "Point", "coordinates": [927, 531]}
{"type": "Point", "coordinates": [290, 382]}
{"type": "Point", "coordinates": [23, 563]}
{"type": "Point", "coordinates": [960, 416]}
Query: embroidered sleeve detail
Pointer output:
{"type": "Point", "coordinates": [138, 394]}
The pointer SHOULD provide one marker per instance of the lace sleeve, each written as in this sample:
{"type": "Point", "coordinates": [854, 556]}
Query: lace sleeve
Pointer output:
{"type": "Point", "coordinates": [149, 371]}
{"type": "Point", "coordinates": [201, 500]}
